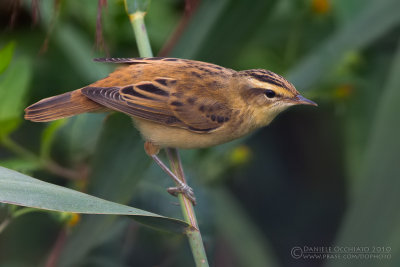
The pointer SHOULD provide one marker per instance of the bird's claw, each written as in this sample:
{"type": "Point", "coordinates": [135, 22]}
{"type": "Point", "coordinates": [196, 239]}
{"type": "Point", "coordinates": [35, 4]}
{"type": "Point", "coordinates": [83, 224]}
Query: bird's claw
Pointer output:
{"type": "Point", "coordinates": [185, 190]}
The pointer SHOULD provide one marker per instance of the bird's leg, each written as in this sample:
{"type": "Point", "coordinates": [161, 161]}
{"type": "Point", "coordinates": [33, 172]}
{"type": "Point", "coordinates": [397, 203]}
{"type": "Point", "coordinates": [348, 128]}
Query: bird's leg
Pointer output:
{"type": "Point", "coordinates": [181, 188]}
{"type": "Point", "coordinates": [152, 150]}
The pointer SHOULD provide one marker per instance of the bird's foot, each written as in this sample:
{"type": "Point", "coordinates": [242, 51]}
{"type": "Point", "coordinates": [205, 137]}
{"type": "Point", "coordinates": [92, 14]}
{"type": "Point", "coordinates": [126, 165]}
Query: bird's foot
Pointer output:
{"type": "Point", "coordinates": [184, 189]}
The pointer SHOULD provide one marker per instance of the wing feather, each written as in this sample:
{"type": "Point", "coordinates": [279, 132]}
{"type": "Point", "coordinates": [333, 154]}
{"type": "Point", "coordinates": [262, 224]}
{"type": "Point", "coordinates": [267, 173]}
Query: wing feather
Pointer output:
{"type": "Point", "coordinates": [184, 102]}
{"type": "Point", "coordinates": [204, 115]}
{"type": "Point", "coordinates": [111, 98]}
{"type": "Point", "coordinates": [136, 60]}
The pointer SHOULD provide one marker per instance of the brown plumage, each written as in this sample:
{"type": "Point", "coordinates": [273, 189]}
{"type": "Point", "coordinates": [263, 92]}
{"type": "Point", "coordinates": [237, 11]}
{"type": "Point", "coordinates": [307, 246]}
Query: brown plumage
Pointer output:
{"type": "Point", "coordinates": [177, 102]}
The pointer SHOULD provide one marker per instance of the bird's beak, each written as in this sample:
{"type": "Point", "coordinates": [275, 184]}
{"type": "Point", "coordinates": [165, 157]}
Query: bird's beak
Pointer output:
{"type": "Point", "coordinates": [301, 100]}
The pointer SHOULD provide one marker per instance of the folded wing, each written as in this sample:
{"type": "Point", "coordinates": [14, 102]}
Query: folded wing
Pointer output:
{"type": "Point", "coordinates": [163, 101]}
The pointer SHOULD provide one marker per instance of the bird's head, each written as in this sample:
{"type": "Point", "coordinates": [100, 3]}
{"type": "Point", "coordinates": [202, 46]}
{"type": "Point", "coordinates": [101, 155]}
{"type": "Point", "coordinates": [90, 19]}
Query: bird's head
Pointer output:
{"type": "Point", "coordinates": [268, 94]}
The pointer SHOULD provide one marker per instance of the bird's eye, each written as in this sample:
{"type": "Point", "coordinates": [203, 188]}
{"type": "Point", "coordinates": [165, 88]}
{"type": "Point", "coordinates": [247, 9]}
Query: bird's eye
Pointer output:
{"type": "Point", "coordinates": [270, 93]}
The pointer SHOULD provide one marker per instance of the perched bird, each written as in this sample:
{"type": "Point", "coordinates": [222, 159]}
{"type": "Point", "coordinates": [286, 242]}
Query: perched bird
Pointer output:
{"type": "Point", "coordinates": [179, 103]}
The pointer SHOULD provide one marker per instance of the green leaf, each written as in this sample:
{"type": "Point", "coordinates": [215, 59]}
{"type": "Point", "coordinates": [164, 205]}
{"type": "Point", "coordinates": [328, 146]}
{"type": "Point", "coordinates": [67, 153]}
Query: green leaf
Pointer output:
{"type": "Point", "coordinates": [19, 189]}
{"type": "Point", "coordinates": [377, 189]}
{"type": "Point", "coordinates": [6, 55]}
{"type": "Point", "coordinates": [13, 86]}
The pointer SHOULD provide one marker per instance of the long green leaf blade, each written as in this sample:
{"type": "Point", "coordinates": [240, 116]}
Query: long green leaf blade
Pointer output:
{"type": "Point", "coordinates": [20, 189]}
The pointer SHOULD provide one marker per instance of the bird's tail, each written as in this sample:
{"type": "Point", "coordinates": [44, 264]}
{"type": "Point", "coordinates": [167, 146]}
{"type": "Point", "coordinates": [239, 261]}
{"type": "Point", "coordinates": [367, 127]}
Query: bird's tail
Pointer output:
{"type": "Point", "coordinates": [61, 106]}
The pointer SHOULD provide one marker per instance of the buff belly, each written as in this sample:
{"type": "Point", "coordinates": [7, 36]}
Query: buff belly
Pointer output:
{"type": "Point", "coordinates": [165, 136]}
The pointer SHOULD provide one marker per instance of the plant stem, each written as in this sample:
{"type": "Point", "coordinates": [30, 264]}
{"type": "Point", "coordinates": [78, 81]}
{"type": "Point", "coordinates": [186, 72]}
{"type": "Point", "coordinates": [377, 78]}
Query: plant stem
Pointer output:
{"type": "Point", "coordinates": [139, 28]}
{"type": "Point", "coordinates": [186, 204]}
{"type": "Point", "coordinates": [192, 232]}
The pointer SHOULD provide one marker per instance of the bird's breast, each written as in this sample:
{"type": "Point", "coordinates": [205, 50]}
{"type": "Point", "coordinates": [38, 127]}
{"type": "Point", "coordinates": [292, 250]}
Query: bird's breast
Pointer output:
{"type": "Point", "coordinates": [168, 136]}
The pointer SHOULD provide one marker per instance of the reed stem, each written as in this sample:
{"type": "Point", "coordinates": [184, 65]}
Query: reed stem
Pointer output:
{"type": "Point", "coordinates": [192, 232]}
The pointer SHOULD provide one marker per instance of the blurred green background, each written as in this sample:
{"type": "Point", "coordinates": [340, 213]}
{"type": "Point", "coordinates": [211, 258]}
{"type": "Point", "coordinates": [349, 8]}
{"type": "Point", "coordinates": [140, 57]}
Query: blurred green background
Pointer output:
{"type": "Point", "coordinates": [316, 177]}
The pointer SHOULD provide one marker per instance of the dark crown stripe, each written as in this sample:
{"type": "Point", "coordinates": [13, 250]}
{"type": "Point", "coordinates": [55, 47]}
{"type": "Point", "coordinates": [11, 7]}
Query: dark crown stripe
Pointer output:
{"type": "Point", "coordinates": [268, 79]}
